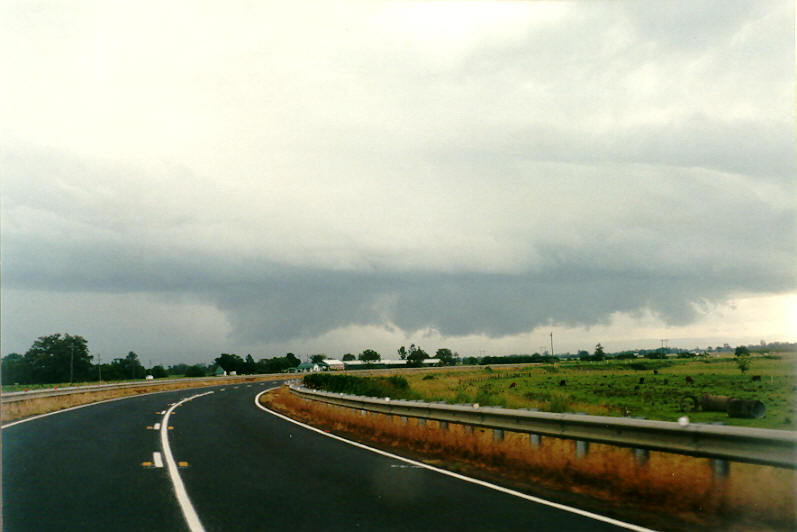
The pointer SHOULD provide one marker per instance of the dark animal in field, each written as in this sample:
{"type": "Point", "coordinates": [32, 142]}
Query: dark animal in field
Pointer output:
{"type": "Point", "coordinates": [756, 377]}
{"type": "Point", "coordinates": [641, 380]}
{"type": "Point", "coordinates": [562, 382]}
{"type": "Point", "coordinates": [513, 385]}
{"type": "Point", "coordinates": [689, 380]}
{"type": "Point", "coordinates": [655, 372]}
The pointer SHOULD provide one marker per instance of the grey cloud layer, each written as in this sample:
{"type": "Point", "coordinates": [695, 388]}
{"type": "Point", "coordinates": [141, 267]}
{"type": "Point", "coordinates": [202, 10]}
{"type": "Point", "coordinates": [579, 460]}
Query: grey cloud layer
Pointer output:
{"type": "Point", "coordinates": [617, 158]}
{"type": "Point", "coordinates": [633, 249]}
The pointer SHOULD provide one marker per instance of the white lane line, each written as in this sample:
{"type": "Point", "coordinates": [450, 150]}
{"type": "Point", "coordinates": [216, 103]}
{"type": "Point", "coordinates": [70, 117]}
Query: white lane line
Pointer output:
{"type": "Point", "coordinates": [156, 459]}
{"type": "Point", "coordinates": [191, 517]}
{"type": "Point", "coordinates": [156, 426]}
{"type": "Point", "coordinates": [495, 487]}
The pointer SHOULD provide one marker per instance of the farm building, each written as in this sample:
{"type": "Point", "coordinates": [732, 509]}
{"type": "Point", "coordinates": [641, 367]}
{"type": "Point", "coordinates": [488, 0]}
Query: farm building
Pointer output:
{"type": "Point", "coordinates": [331, 364]}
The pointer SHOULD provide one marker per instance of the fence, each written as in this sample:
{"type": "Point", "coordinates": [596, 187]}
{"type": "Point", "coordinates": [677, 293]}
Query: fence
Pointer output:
{"type": "Point", "coordinates": [721, 443]}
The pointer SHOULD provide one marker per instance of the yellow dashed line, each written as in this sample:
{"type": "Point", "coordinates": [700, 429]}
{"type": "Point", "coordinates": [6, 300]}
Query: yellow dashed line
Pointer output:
{"type": "Point", "coordinates": [146, 464]}
{"type": "Point", "coordinates": [182, 464]}
{"type": "Point", "coordinates": [149, 427]}
{"type": "Point", "coordinates": [171, 428]}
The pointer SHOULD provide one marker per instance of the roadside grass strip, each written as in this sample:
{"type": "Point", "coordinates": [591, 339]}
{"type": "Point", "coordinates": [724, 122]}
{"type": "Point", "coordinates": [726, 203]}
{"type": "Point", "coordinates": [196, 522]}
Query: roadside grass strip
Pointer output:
{"type": "Point", "coordinates": [190, 515]}
{"type": "Point", "coordinates": [416, 464]}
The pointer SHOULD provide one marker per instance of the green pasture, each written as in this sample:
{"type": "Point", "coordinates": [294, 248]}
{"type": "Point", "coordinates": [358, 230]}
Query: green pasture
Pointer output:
{"type": "Point", "coordinates": [651, 389]}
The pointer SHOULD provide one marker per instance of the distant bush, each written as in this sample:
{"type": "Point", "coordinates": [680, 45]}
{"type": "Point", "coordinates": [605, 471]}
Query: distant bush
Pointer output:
{"type": "Point", "coordinates": [195, 371]}
{"type": "Point", "coordinates": [644, 365]}
{"type": "Point", "coordinates": [559, 403]}
{"type": "Point", "coordinates": [395, 387]}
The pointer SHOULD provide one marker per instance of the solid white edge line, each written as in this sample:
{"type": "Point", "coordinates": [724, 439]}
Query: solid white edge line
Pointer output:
{"type": "Point", "coordinates": [32, 418]}
{"type": "Point", "coordinates": [191, 517]}
{"type": "Point", "coordinates": [39, 416]}
{"type": "Point", "coordinates": [495, 487]}
{"type": "Point", "coordinates": [156, 459]}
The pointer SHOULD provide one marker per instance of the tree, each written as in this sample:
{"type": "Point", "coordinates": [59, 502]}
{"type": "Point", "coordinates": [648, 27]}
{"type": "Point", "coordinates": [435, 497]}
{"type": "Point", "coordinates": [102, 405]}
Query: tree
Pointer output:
{"type": "Point", "coordinates": [369, 355]}
{"type": "Point", "coordinates": [159, 372]}
{"type": "Point", "coordinates": [230, 362]}
{"type": "Point", "coordinates": [277, 364]}
{"type": "Point", "coordinates": [583, 354]}
{"type": "Point", "coordinates": [742, 357]}
{"type": "Point", "coordinates": [133, 369]}
{"type": "Point", "coordinates": [348, 356]}
{"type": "Point", "coordinates": [315, 359]}
{"type": "Point", "coordinates": [57, 358]}
{"type": "Point", "coordinates": [445, 356]}
{"type": "Point", "coordinates": [416, 356]}
{"type": "Point", "coordinates": [402, 352]}
{"type": "Point", "coordinates": [15, 369]}
{"type": "Point", "coordinates": [250, 367]}
{"type": "Point", "coordinates": [292, 360]}
{"type": "Point", "coordinates": [599, 354]}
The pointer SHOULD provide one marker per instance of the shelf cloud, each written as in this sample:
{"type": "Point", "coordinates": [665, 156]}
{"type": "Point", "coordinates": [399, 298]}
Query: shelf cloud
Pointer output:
{"type": "Point", "coordinates": [463, 168]}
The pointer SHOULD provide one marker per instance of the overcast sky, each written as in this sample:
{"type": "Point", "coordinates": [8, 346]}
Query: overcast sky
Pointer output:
{"type": "Point", "coordinates": [185, 179]}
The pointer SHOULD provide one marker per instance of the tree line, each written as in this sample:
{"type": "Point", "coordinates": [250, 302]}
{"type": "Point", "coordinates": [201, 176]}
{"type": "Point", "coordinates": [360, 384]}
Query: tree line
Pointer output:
{"type": "Point", "coordinates": [65, 358]}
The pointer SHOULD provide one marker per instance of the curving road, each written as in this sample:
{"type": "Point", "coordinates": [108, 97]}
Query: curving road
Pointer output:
{"type": "Point", "coordinates": [242, 468]}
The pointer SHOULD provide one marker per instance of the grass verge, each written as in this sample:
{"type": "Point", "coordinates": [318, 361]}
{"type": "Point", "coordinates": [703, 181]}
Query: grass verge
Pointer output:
{"type": "Point", "coordinates": [668, 492]}
{"type": "Point", "coordinates": [32, 407]}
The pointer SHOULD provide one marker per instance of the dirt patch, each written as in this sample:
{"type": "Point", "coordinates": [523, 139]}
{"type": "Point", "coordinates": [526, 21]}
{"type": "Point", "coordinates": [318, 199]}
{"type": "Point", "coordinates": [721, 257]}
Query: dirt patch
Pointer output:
{"type": "Point", "coordinates": [43, 405]}
{"type": "Point", "coordinates": [668, 491]}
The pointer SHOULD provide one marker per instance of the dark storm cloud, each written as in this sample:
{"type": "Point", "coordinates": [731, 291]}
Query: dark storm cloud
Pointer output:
{"type": "Point", "coordinates": [268, 302]}
{"type": "Point", "coordinates": [555, 167]}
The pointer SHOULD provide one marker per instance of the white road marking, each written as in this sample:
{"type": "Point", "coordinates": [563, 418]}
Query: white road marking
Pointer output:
{"type": "Point", "coordinates": [191, 517]}
{"type": "Point", "coordinates": [156, 459]}
{"type": "Point", "coordinates": [495, 487]}
{"type": "Point", "coordinates": [156, 426]}
{"type": "Point", "coordinates": [54, 412]}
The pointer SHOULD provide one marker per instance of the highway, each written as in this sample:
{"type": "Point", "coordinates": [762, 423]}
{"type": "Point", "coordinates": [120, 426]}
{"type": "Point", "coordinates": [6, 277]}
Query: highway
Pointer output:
{"type": "Point", "coordinates": [241, 468]}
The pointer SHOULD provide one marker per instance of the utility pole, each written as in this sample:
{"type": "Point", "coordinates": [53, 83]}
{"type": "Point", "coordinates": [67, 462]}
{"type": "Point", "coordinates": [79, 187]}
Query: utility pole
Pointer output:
{"type": "Point", "coordinates": [552, 353]}
{"type": "Point", "coordinates": [71, 361]}
{"type": "Point", "coordinates": [99, 365]}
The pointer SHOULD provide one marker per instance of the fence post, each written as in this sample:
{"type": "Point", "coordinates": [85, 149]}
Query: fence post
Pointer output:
{"type": "Point", "coordinates": [582, 448]}
{"type": "Point", "coordinates": [403, 419]}
{"type": "Point", "coordinates": [534, 440]}
{"type": "Point", "coordinates": [498, 435]}
{"type": "Point", "coordinates": [444, 425]}
{"type": "Point", "coordinates": [421, 422]}
{"type": "Point", "coordinates": [641, 456]}
{"type": "Point", "coordinates": [721, 468]}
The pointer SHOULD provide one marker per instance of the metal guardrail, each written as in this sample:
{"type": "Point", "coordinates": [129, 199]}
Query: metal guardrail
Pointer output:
{"type": "Point", "coordinates": [11, 397]}
{"type": "Point", "coordinates": [738, 444]}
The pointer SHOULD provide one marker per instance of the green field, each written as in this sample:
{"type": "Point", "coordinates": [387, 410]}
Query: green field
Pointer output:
{"type": "Point", "coordinates": [623, 388]}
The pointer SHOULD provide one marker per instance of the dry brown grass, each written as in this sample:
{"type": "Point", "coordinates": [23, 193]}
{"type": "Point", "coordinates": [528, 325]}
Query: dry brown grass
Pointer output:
{"type": "Point", "coordinates": [33, 407]}
{"type": "Point", "coordinates": [681, 487]}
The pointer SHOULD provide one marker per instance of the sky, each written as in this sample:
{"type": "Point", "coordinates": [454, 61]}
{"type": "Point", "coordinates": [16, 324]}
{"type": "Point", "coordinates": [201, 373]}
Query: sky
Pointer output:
{"type": "Point", "coordinates": [192, 178]}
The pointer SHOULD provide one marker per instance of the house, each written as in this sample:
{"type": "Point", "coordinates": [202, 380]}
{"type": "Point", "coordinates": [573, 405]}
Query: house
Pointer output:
{"type": "Point", "coordinates": [307, 367]}
{"type": "Point", "coordinates": [219, 372]}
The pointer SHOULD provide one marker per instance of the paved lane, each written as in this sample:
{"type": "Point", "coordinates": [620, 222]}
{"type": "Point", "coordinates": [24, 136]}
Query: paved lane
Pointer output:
{"type": "Point", "coordinates": [244, 469]}
{"type": "Point", "coordinates": [265, 472]}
